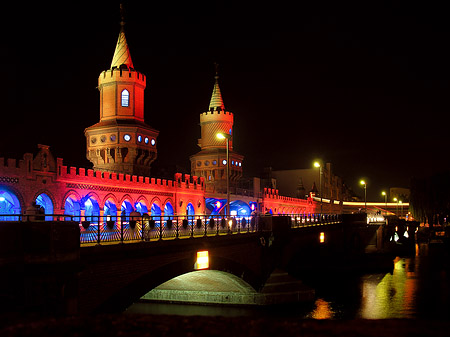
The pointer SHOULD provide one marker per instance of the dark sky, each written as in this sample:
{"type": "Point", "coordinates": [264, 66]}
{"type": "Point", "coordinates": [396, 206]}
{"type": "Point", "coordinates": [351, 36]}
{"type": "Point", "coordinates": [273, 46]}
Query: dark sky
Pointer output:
{"type": "Point", "coordinates": [364, 86]}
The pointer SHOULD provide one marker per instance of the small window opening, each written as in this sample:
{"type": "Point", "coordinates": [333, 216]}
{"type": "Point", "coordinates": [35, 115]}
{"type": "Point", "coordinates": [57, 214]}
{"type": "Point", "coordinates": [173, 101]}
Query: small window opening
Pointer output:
{"type": "Point", "coordinates": [125, 97]}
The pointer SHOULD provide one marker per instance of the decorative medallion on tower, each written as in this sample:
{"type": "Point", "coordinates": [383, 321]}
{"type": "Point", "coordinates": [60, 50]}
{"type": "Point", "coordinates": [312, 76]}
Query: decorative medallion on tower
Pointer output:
{"type": "Point", "coordinates": [121, 142]}
{"type": "Point", "coordinates": [211, 161]}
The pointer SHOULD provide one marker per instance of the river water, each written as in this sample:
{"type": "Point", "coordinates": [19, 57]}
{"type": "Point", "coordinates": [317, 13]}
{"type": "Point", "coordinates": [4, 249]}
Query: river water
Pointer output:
{"type": "Point", "coordinates": [417, 287]}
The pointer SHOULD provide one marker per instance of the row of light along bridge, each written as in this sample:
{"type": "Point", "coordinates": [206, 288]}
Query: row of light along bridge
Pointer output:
{"type": "Point", "coordinates": [120, 229]}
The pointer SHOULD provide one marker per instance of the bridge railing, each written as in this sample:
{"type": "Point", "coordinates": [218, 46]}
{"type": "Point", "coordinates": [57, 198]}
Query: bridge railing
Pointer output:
{"type": "Point", "coordinates": [151, 228]}
{"type": "Point", "coordinates": [96, 229]}
{"type": "Point", "coordinates": [306, 220]}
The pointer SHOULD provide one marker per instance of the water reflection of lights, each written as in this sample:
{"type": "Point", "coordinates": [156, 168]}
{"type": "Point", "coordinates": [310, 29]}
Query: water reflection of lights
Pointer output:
{"type": "Point", "coordinates": [393, 296]}
{"type": "Point", "coordinates": [323, 310]}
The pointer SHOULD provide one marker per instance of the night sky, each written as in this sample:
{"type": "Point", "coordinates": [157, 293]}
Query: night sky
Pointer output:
{"type": "Point", "coordinates": [363, 86]}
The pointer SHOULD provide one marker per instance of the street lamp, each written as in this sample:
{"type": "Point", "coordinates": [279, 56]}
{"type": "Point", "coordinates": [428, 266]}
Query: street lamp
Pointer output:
{"type": "Point", "coordinates": [396, 207]}
{"type": "Point", "coordinates": [226, 136]}
{"type": "Point", "coordinates": [362, 182]}
{"type": "Point", "coordinates": [385, 200]}
{"type": "Point", "coordinates": [317, 165]}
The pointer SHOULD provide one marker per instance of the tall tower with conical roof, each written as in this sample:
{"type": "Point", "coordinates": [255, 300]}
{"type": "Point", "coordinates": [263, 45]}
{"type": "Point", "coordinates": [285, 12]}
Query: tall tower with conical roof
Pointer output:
{"type": "Point", "coordinates": [121, 142]}
{"type": "Point", "coordinates": [211, 161]}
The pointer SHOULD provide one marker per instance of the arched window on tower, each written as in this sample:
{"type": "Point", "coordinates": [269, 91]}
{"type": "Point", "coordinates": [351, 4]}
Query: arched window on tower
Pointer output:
{"type": "Point", "coordinates": [125, 98]}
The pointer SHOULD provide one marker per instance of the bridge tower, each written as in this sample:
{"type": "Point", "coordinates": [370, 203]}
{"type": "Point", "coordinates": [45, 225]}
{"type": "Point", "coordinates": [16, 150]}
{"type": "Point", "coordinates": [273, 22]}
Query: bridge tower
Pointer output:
{"type": "Point", "coordinates": [121, 142]}
{"type": "Point", "coordinates": [211, 161]}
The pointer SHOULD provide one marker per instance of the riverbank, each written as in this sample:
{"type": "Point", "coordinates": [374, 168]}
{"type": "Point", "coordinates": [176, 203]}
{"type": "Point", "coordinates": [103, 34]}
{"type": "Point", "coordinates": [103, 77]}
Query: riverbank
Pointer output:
{"type": "Point", "coordinates": [170, 325]}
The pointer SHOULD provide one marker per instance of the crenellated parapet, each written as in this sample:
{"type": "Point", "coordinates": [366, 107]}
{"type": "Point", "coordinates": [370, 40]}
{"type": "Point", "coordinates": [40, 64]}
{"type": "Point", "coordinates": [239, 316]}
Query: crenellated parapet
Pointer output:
{"type": "Point", "coordinates": [188, 181]}
{"type": "Point", "coordinates": [214, 115]}
{"type": "Point", "coordinates": [12, 165]}
{"type": "Point", "coordinates": [122, 74]}
{"type": "Point", "coordinates": [212, 123]}
{"type": "Point", "coordinates": [104, 178]}
{"type": "Point", "coordinates": [280, 204]}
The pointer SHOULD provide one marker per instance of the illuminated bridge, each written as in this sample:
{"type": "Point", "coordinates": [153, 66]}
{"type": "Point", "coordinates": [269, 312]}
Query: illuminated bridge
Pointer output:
{"type": "Point", "coordinates": [44, 266]}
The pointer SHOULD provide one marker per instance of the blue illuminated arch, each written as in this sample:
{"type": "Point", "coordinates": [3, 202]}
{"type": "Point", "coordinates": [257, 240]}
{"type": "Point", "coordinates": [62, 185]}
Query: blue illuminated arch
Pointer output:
{"type": "Point", "coordinates": [190, 210]}
{"type": "Point", "coordinates": [141, 207]}
{"type": "Point", "coordinates": [241, 208]}
{"type": "Point", "coordinates": [91, 210]}
{"type": "Point", "coordinates": [155, 210]}
{"type": "Point", "coordinates": [46, 203]}
{"type": "Point", "coordinates": [72, 207]}
{"type": "Point", "coordinates": [109, 211]}
{"type": "Point", "coordinates": [214, 205]}
{"type": "Point", "coordinates": [9, 204]}
{"type": "Point", "coordinates": [168, 211]}
{"type": "Point", "coordinates": [126, 208]}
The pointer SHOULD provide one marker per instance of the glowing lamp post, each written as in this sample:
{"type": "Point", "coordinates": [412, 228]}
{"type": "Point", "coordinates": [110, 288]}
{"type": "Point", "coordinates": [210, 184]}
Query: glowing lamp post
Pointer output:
{"type": "Point", "coordinates": [362, 182]}
{"type": "Point", "coordinates": [385, 200]}
{"type": "Point", "coordinates": [396, 207]}
{"type": "Point", "coordinates": [226, 136]}
{"type": "Point", "coordinates": [317, 165]}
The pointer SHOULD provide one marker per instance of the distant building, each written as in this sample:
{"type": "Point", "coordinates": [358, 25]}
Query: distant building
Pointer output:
{"type": "Point", "coordinates": [402, 194]}
{"type": "Point", "coordinates": [299, 183]}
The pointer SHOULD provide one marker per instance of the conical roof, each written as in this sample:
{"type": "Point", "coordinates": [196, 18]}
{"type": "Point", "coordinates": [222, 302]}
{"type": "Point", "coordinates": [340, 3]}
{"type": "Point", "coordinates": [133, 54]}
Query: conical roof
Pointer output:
{"type": "Point", "coordinates": [216, 102]}
{"type": "Point", "coordinates": [122, 53]}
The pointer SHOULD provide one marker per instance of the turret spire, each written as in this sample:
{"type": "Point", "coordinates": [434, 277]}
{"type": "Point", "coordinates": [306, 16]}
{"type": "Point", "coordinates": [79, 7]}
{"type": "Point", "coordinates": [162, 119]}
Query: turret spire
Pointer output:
{"type": "Point", "coordinates": [122, 53]}
{"type": "Point", "coordinates": [216, 98]}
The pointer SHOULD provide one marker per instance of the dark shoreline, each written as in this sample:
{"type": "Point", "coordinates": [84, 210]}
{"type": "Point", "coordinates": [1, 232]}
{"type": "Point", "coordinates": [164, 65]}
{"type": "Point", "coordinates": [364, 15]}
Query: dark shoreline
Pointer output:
{"type": "Point", "coordinates": [170, 325]}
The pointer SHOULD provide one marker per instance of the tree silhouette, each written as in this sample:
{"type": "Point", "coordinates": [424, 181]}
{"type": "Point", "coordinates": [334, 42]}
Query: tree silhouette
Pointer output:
{"type": "Point", "coordinates": [430, 198]}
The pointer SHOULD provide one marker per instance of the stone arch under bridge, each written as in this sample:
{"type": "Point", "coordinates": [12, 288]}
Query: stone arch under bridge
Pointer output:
{"type": "Point", "coordinates": [116, 276]}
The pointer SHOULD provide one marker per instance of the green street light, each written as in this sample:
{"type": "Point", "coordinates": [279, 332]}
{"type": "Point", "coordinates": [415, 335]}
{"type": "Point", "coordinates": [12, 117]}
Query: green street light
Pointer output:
{"type": "Point", "coordinates": [226, 136]}
{"type": "Point", "coordinates": [385, 200]}
{"type": "Point", "coordinates": [317, 165]}
{"type": "Point", "coordinates": [396, 207]}
{"type": "Point", "coordinates": [362, 182]}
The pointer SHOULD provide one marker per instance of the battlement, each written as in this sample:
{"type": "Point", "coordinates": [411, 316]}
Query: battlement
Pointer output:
{"type": "Point", "coordinates": [89, 176]}
{"type": "Point", "coordinates": [189, 181]}
{"type": "Point", "coordinates": [270, 193]}
{"type": "Point", "coordinates": [123, 75]}
{"type": "Point", "coordinates": [224, 116]}
{"type": "Point", "coordinates": [12, 164]}
{"type": "Point", "coordinates": [43, 162]}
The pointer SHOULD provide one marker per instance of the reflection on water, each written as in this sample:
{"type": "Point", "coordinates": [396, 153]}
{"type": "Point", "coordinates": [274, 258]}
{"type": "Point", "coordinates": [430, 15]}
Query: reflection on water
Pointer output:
{"type": "Point", "coordinates": [417, 287]}
{"type": "Point", "coordinates": [322, 310]}
{"type": "Point", "coordinates": [393, 296]}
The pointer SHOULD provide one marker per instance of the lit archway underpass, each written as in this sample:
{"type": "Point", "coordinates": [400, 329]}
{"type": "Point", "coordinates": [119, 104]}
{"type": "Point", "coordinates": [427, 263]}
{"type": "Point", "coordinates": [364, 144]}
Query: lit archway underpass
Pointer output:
{"type": "Point", "coordinates": [205, 286]}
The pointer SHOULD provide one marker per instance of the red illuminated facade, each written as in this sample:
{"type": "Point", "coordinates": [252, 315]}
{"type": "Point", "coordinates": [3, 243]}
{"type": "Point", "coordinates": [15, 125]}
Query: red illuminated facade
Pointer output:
{"type": "Point", "coordinates": [121, 147]}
